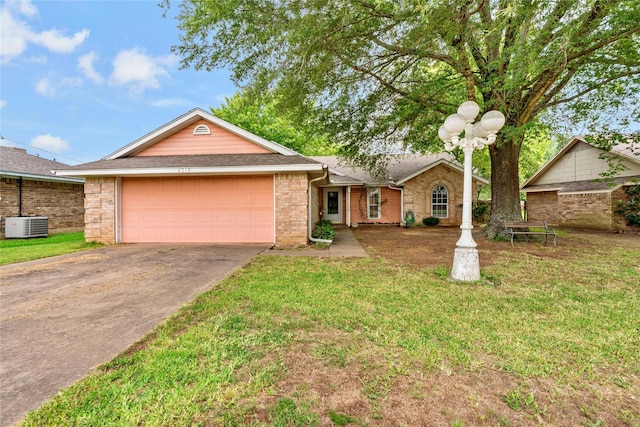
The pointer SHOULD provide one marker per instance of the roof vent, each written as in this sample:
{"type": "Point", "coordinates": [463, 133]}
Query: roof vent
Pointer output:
{"type": "Point", "coordinates": [202, 130]}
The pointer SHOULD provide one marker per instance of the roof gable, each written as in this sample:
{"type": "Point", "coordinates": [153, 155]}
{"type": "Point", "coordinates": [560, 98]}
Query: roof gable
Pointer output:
{"type": "Point", "coordinates": [177, 137]}
{"type": "Point", "coordinates": [579, 161]}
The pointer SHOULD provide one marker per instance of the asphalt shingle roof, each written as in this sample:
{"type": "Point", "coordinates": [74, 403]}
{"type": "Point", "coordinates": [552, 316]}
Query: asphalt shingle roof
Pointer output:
{"type": "Point", "coordinates": [16, 161]}
{"type": "Point", "coordinates": [194, 161]}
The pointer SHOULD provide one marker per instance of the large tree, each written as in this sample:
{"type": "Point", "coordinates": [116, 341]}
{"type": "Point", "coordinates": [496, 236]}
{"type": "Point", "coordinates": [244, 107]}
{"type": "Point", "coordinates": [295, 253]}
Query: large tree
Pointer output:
{"type": "Point", "coordinates": [261, 116]}
{"type": "Point", "coordinates": [387, 72]}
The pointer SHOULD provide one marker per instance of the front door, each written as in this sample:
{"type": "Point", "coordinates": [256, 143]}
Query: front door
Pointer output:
{"type": "Point", "coordinates": [333, 205]}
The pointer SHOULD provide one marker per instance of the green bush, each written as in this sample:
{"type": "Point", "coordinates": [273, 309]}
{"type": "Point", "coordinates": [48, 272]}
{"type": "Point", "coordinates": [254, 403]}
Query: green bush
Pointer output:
{"type": "Point", "coordinates": [630, 207]}
{"type": "Point", "coordinates": [323, 230]}
{"type": "Point", "coordinates": [431, 221]}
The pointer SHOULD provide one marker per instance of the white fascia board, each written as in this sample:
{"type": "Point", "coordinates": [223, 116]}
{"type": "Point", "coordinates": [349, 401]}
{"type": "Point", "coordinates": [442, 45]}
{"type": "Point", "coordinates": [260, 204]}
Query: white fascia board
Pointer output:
{"type": "Point", "coordinates": [191, 117]}
{"type": "Point", "coordinates": [606, 190]}
{"type": "Point", "coordinates": [540, 190]}
{"type": "Point", "coordinates": [41, 177]}
{"type": "Point", "coordinates": [226, 170]}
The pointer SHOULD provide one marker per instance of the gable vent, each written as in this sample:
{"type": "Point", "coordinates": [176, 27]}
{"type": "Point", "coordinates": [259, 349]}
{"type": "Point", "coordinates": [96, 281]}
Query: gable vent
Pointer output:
{"type": "Point", "coordinates": [202, 130]}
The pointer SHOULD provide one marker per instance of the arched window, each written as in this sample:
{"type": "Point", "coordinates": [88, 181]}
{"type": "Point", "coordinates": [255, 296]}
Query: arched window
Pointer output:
{"type": "Point", "coordinates": [440, 202]}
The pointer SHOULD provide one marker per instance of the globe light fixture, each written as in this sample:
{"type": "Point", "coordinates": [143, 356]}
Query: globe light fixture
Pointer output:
{"type": "Point", "coordinates": [466, 265]}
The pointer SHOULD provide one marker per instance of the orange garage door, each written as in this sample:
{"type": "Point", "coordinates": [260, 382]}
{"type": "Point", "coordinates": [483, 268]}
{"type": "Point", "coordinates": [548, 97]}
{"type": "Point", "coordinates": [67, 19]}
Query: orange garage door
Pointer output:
{"type": "Point", "coordinates": [198, 209]}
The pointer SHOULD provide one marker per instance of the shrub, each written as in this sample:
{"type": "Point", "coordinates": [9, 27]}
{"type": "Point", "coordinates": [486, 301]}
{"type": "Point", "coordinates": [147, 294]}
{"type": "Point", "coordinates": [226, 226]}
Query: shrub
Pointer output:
{"type": "Point", "coordinates": [480, 210]}
{"type": "Point", "coordinates": [323, 230]}
{"type": "Point", "coordinates": [431, 221]}
{"type": "Point", "coordinates": [630, 207]}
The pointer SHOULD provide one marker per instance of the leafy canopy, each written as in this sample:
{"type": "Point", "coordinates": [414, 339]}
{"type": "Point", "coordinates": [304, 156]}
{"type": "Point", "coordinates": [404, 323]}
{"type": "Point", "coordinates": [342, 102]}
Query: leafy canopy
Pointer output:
{"type": "Point", "coordinates": [379, 73]}
{"type": "Point", "coordinates": [262, 116]}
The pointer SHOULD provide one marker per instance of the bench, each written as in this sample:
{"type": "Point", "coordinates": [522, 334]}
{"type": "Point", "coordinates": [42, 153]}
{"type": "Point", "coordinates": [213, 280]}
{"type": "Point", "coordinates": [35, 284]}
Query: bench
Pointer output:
{"type": "Point", "coordinates": [513, 228]}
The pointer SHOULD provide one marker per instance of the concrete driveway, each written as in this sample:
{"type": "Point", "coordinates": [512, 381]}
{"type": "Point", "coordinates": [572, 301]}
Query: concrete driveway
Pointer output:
{"type": "Point", "coordinates": [62, 316]}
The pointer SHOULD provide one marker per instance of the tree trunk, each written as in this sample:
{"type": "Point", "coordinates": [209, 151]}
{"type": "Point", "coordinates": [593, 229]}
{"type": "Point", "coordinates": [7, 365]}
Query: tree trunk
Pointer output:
{"type": "Point", "coordinates": [505, 185]}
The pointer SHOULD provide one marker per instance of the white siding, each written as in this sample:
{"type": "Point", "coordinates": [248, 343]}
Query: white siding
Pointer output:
{"type": "Point", "coordinates": [581, 163]}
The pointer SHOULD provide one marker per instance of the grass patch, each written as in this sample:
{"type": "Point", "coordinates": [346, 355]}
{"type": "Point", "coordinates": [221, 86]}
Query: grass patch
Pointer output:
{"type": "Point", "coordinates": [19, 250]}
{"type": "Point", "coordinates": [305, 341]}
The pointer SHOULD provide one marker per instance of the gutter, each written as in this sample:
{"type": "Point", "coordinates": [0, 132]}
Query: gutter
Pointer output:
{"type": "Point", "coordinates": [401, 189]}
{"type": "Point", "coordinates": [309, 225]}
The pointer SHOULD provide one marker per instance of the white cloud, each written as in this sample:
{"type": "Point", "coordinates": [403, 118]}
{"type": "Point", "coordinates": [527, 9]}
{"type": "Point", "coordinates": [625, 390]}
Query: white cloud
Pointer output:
{"type": "Point", "coordinates": [50, 143]}
{"type": "Point", "coordinates": [136, 69]}
{"type": "Point", "coordinates": [170, 102]}
{"type": "Point", "coordinates": [48, 88]}
{"type": "Point", "coordinates": [85, 64]}
{"type": "Point", "coordinates": [45, 88]}
{"type": "Point", "coordinates": [55, 41]}
{"type": "Point", "coordinates": [3, 103]}
{"type": "Point", "coordinates": [16, 35]}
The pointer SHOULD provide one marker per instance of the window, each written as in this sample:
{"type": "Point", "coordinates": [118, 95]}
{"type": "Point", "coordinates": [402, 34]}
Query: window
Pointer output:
{"type": "Point", "coordinates": [373, 203]}
{"type": "Point", "coordinates": [440, 202]}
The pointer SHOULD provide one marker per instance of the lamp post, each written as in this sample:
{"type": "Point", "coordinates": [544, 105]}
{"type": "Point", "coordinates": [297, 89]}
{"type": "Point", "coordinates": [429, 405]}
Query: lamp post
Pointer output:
{"type": "Point", "coordinates": [466, 265]}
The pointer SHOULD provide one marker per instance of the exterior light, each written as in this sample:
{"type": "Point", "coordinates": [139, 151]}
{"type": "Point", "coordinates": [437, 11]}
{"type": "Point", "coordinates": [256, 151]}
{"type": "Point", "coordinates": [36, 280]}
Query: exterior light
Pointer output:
{"type": "Point", "coordinates": [454, 124]}
{"type": "Point", "coordinates": [469, 110]}
{"type": "Point", "coordinates": [492, 121]}
{"type": "Point", "coordinates": [443, 134]}
{"type": "Point", "coordinates": [466, 265]}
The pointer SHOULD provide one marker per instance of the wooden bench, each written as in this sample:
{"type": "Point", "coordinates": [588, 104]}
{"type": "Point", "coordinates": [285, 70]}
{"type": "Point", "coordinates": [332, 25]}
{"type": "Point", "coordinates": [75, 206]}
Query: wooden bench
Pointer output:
{"type": "Point", "coordinates": [513, 228]}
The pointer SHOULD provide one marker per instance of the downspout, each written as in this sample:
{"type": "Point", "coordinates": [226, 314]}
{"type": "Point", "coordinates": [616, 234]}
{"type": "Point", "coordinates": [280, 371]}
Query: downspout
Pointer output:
{"type": "Point", "coordinates": [309, 225]}
{"type": "Point", "coordinates": [20, 196]}
{"type": "Point", "coordinates": [401, 189]}
{"type": "Point", "coordinates": [348, 214]}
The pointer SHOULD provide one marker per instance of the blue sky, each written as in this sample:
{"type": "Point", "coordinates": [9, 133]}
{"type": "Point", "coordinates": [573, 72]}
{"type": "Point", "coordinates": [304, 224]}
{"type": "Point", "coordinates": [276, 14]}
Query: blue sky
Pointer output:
{"type": "Point", "coordinates": [80, 79]}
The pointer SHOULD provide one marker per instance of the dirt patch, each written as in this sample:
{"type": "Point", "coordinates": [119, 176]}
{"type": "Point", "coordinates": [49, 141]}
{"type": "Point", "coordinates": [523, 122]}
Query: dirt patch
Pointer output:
{"type": "Point", "coordinates": [380, 394]}
{"type": "Point", "coordinates": [434, 246]}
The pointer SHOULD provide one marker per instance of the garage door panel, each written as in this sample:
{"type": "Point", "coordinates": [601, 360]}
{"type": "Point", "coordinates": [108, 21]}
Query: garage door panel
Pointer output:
{"type": "Point", "coordinates": [198, 209]}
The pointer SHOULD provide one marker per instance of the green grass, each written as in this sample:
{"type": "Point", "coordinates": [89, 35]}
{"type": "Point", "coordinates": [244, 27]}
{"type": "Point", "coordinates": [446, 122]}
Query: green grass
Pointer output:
{"type": "Point", "coordinates": [19, 250]}
{"type": "Point", "coordinates": [229, 358]}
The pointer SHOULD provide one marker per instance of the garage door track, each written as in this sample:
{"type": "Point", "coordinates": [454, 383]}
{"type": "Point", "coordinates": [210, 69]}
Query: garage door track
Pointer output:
{"type": "Point", "coordinates": [62, 316]}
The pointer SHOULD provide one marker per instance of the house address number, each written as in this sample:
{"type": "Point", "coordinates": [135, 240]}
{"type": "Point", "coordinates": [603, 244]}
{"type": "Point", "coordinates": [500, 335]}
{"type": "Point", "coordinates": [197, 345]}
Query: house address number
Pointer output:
{"type": "Point", "coordinates": [184, 170]}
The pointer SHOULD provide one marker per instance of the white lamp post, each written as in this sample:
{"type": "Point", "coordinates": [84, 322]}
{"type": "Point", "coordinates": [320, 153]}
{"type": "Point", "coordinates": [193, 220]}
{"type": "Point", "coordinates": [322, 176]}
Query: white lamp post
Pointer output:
{"type": "Point", "coordinates": [466, 265]}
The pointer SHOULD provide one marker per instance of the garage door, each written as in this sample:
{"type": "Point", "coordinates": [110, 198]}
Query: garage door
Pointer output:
{"type": "Point", "coordinates": [198, 209]}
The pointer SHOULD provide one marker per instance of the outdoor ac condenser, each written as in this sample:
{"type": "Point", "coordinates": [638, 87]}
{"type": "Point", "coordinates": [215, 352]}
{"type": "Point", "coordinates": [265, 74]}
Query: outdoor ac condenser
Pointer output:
{"type": "Point", "coordinates": [26, 226]}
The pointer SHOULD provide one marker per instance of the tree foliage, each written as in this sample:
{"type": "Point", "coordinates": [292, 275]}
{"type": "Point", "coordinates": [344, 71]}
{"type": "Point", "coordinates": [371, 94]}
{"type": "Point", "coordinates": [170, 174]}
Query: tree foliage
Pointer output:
{"type": "Point", "coordinates": [263, 117]}
{"type": "Point", "coordinates": [387, 72]}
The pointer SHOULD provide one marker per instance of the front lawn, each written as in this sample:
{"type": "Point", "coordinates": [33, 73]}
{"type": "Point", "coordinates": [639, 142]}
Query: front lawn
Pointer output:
{"type": "Point", "coordinates": [377, 342]}
{"type": "Point", "coordinates": [18, 250]}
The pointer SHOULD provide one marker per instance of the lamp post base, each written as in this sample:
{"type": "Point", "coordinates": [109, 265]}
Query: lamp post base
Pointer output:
{"type": "Point", "coordinates": [466, 265]}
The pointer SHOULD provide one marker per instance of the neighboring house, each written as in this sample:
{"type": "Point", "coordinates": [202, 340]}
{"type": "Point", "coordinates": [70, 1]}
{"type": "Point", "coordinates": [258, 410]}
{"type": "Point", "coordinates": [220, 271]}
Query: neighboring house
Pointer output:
{"type": "Point", "coordinates": [570, 191]}
{"type": "Point", "coordinates": [202, 179]}
{"type": "Point", "coordinates": [28, 187]}
{"type": "Point", "coordinates": [426, 185]}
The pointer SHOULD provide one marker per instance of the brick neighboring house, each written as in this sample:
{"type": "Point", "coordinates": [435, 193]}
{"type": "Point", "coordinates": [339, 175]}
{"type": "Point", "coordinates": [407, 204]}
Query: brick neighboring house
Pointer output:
{"type": "Point", "coordinates": [28, 187]}
{"type": "Point", "coordinates": [201, 179]}
{"type": "Point", "coordinates": [569, 189]}
{"type": "Point", "coordinates": [430, 185]}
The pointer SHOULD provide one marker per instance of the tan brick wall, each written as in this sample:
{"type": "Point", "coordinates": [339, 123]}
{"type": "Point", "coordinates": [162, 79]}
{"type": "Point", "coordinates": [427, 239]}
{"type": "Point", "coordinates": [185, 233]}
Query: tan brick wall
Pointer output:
{"type": "Point", "coordinates": [417, 193]}
{"type": "Point", "coordinates": [589, 210]}
{"type": "Point", "coordinates": [100, 210]}
{"type": "Point", "coordinates": [291, 209]}
{"type": "Point", "coordinates": [543, 206]}
{"type": "Point", "coordinates": [62, 203]}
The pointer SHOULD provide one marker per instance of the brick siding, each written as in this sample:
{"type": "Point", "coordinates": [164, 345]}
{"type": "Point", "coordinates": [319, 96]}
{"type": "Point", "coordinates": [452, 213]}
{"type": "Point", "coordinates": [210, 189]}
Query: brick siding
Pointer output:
{"type": "Point", "coordinates": [586, 210]}
{"type": "Point", "coordinates": [62, 203]}
{"type": "Point", "coordinates": [100, 213]}
{"type": "Point", "coordinates": [543, 206]}
{"type": "Point", "coordinates": [291, 209]}
{"type": "Point", "coordinates": [417, 193]}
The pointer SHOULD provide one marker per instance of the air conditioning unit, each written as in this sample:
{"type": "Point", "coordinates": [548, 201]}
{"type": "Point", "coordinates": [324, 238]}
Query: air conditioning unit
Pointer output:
{"type": "Point", "coordinates": [26, 226]}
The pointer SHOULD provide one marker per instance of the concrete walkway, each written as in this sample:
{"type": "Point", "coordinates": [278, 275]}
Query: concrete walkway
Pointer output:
{"type": "Point", "coordinates": [344, 245]}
